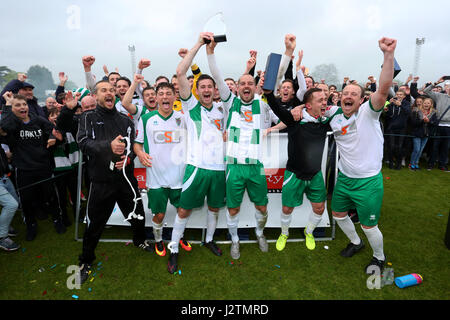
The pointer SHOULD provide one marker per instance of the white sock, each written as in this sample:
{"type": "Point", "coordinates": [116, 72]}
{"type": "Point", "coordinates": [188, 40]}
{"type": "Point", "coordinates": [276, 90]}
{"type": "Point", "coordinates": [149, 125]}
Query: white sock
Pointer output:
{"type": "Point", "coordinates": [314, 220]}
{"type": "Point", "coordinates": [211, 225]}
{"type": "Point", "coordinates": [157, 231]}
{"type": "Point", "coordinates": [348, 228]}
{"type": "Point", "coordinates": [261, 220]}
{"type": "Point", "coordinates": [285, 223]}
{"type": "Point", "coordinates": [177, 232]}
{"type": "Point", "coordinates": [375, 238]}
{"type": "Point", "coordinates": [232, 223]}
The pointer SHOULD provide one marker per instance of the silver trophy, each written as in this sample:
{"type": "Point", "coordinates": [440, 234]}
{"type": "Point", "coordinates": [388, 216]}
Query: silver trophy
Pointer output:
{"type": "Point", "coordinates": [216, 25]}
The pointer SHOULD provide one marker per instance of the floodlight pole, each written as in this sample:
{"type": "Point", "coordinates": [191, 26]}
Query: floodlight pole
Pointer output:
{"type": "Point", "coordinates": [419, 43]}
{"type": "Point", "coordinates": [132, 50]}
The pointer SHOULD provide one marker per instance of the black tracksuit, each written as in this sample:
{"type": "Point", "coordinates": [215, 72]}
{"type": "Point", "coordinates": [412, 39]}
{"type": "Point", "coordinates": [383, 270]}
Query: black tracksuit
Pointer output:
{"type": "Point", "coordinates": [97, 129]}
{"type": "Point", "coordinates": [33, 163]}
{"type": "Point", "coordinates": [305, 142]}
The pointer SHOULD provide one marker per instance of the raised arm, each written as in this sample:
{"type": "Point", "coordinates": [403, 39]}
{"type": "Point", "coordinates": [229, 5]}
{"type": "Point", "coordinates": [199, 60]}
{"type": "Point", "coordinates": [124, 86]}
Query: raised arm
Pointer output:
{"type": "Point", "coordinates": [88, 61]}
{"type": "Point", "coordinates": [224, 91]}
{"type": "Point", "coordinates": [128, 98]}
{"type": "Point", "coordinates": [185, 64]}
{"type": "Point", "coordinates": [283, 114]}
{"type": "Point", "coordinates": [290, 43]}
{"type": "Point", "coordinates": [143, 63]}
{"type": "Point", "coordinates": [380, 96]}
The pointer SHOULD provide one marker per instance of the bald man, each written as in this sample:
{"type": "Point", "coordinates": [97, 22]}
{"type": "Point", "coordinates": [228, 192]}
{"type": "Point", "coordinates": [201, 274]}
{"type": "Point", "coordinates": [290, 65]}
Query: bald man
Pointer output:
{"type": "Point", "coordinates": [88, 103]}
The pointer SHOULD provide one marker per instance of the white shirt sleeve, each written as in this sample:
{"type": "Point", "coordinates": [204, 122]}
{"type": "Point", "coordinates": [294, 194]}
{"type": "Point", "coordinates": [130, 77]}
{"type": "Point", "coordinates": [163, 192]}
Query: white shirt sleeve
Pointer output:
{"type": "Point", "coordinates": [90, 81]}
{"type": "Point", "coordinates": [189, 103]}
{"type": "Point", "coordinates": [140, 132]}
{"type": "Point", "coordinates": [224, 91]}
{"type": "Point", "coordinates": [301, 85]}
{"type": "Point", "coordinates": [284, 64]}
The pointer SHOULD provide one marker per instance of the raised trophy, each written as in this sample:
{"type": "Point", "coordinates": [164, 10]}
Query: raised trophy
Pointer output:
{"type": "Point", "coordinates": [271, 72]}
{"type": "Point", "coordinates": [216, 25]}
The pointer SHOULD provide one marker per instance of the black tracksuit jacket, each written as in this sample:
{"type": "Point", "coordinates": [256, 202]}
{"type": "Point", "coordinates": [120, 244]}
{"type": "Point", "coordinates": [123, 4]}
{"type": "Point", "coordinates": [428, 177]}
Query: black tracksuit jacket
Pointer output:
{"type": "Point", "coordinates": [96, 130]}
{"type": "Point", "coordinates": [305, 142]}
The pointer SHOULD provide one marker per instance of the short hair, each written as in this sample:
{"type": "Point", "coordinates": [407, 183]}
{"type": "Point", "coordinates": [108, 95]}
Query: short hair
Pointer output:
{"type": "Point", "coordinates": [288, 80]}
{"type": "Point", "coordinates": [19, 97]}
{"type": "Point", "coordinates": [175, 76]}
{"type": "Point", "coordinates": [363, 90]}
{"type": "Point", "coordinates": [162, 77]}
{"type": "Point", "coordinates": [190, 77]}
{"type": "Point", "coordinates": [148, 88]}
{"type": "Point", "coordinates": [309, 94]}
{"type": "Point", "coordinates": [163, 85]}
{"type": "Point", "coordinates": [61, 97]}
{"type": "Point", "coordinates": [205, 77]}
{"type": "Point", "coordinates": [332, 85]}
{"type": "Point", "coordinates": [246, 74]}
{"type": "Point", "coordinates": [311, 79]}
{"type": "Point", "coordinates": [231, 79]}
{"type": "Point", "coordinates": [52, 110]}
{"type": "Point", "coordinates": [124, 79]}
{"type": "Point", "coordinates": [109, 75]}
{"type": "Point", "coordinates": [96, 85]}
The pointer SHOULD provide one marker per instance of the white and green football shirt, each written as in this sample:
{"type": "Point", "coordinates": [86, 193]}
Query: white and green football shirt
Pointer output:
{"type": "Point", "coordinates": [205, 146]}
{"type": "Point", "coordinates": [245, 125]}
{"type": "Point", "coordinates": [164, 139]}
{"type": "Point", "coordinates": [360, 141]}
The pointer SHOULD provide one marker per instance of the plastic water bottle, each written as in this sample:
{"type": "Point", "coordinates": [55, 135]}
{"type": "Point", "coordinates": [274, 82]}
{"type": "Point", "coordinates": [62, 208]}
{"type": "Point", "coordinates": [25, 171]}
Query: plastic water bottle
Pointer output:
{"type": "Point", "coordinates": [388, 277]}
{"type": "Point", "coordinates": [408, 280]}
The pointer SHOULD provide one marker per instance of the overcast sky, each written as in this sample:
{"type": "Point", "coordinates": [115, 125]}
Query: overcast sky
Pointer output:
{"type": "Point", "coordinates": [56, 34]}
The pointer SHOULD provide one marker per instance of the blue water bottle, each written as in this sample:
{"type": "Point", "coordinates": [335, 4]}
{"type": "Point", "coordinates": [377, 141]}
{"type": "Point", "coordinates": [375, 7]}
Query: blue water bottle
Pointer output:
{"type": "Point", "coordinates": [408, 280]}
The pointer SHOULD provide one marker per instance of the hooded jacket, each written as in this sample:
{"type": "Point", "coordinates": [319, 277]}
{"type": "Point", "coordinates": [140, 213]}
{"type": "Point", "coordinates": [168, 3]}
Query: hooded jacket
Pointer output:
{"type": "Point", "coordinates": [397, 116]}
{"type": "Point", "coordinates": [28, 141]}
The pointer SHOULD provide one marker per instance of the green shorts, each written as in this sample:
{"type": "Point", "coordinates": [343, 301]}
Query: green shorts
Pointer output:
{"type": "Point", "coordinates": [242, 176]}
{"type": "Point", "coordinates": [364, 194]}
{"type": "Point", "coordinates": [157, 199]}
{"type": "Point", "coordinates": [200, 183]}
{"type": "Point", "coordinates": [294, 188]}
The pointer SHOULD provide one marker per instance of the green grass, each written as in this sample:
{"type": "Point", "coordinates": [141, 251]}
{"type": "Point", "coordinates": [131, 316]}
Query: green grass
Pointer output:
{"type": "Point", "coordinates": [413, 222]}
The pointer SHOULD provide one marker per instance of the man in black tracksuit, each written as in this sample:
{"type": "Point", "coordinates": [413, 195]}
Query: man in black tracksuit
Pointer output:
{"type": "Point", "coordinates": [99, 136]}
{"type": "Point", "coordinates": [30, 138]}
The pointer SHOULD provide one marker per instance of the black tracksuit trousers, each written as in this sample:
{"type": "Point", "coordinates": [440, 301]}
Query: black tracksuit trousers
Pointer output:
{"type": "Point", "coordinates": [101, 202]}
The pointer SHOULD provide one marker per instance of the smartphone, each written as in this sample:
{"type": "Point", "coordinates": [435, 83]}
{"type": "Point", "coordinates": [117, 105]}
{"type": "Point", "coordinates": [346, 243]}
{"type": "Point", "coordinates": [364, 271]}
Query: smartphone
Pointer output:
{"type": "Point", "coordinates": [446, 78]}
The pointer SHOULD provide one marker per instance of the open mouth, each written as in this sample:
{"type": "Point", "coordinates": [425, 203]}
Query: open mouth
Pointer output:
{"type": "Point", "coordinates": [348, 104]}
{"type": "Point", "coordinates": [109, 101]}
{"type": "Point", "coordinates": [166, 104]}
